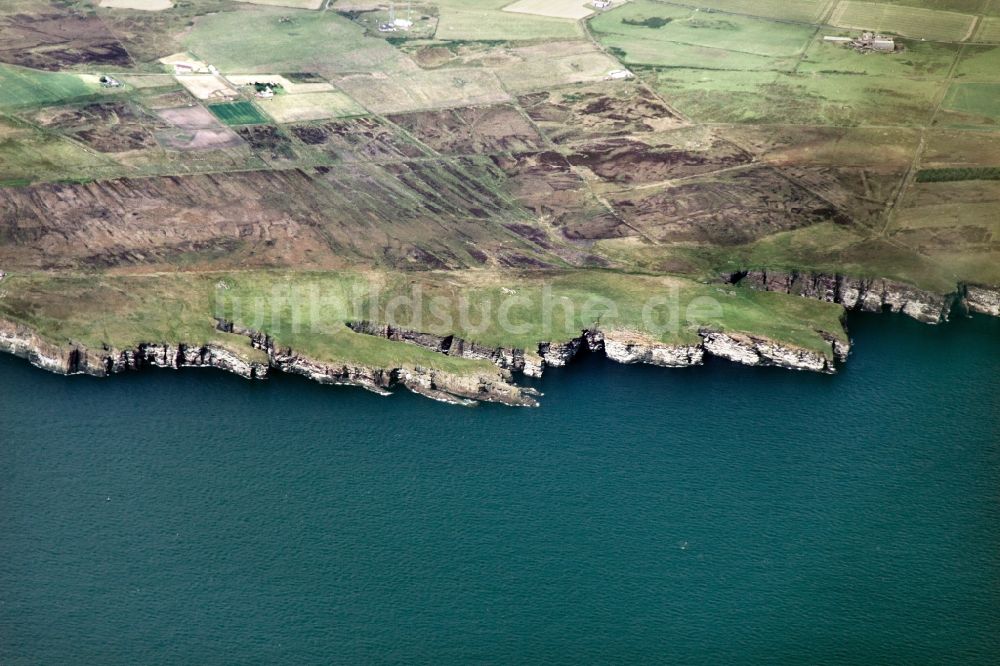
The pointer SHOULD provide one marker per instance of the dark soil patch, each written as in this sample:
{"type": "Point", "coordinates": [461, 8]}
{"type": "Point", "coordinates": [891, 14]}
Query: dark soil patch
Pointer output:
{"type": "Point", "coordinates": [358, 138]}
{"type": "Point", "coordinates": [631, 162]}
{"type": "Point", "coordinates": [738, 208]}
{"type": "Point", "coordinates": [57, 38]}
{"type": "Point", "coordinates": [117, 139]}
{"type": "Point", "coordinates": [472, 130]}
{"type": "Point", "coordinates": [268, 141]}
{"type": "Point", "coordinates": [599, 111]}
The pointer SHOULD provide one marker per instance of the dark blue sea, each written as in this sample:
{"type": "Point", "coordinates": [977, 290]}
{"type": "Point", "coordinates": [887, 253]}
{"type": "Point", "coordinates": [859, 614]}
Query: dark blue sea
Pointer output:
{"type": "Point", "coordinates": [719, 515]}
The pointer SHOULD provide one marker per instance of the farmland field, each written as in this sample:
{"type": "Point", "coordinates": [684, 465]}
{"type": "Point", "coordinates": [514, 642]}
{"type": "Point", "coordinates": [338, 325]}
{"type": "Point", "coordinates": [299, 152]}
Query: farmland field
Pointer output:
{"type": "Point", "coordinates": [659, 26]}
{"type": "Point", "coordinates": [268, 39]}
{"type": "Point", "coordinates": [471, 20]}
{"type": "Point", "coordinates": [206, 86]}
{"type": "Point", "coordinates": [808, 11]}
{"type": "Point", "coordinates": [291, 87]}
{"type": "Point", "coordinates": [989, 30]}
{"type": "Point", "coordinates": [768, 97]}
{"type": "Point", "coordinates": [907, 21]}
{"type": "Point", "coordinates": [310, 106]}
{"type": "Point", "coordinates": [238, 113]}
{"type": "Point", "coordinates": [558, 63]}
{"type": "Point", "coordinates": [569, 9]}
{"type": "Point", "coordinates": [293, 4]}
{"type": "Point", "coordinates": [979, 63]}
{"type": "Point", "coordinates": [28, 154]}
{"type": "Point", "coordinates": [21, 87]}
{"type": "Point", "coordinates": [424, 89]}
{"type": "Point", "coordinates": [975, 101]}
{"type": "Point", "coordinates": [146, 5]}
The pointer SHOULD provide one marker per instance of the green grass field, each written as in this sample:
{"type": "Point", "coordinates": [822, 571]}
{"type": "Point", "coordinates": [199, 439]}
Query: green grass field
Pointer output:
{"type": "Point", "coordinates": [273, 39]}
{"type": "Point", "coordinates": [736, 69]}
{"type": "Point", "coordinates": [21, 87]}
{"type": "Point", "coordinates": [478, 20]}
{"type": "Point", "coordinates": [914, 22]}
{"type": "Point", "coordinates": [676, 55]}
{"type": "Point", "coordinates": [979, 63]}
{"type": "Point", "coordinates": [769, 97]}
{"type": "Point", "coordinates": [238, 113]}
{"type": "Point", "coordinates": [974, 99]}
{"type": "Point", "coordinates": [630, 24]}
{"type": "Point", "coordinates": [989, 30]}
{"type": "Point", "coordinates": [807, 11]}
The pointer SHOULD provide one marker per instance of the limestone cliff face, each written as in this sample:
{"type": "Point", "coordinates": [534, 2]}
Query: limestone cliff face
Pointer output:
{"type": "Point", "coordinates": [750, 350]}
{"type": "Point", "coordinates": [74, 359]}
{"type": "Point", "coordinates": [867, 295]}
{"type": "Point", "coordinates": [515, 360]}
{"type": "Point", "coordinates": [624, 347]}
{"type": "Point", "coordinates": [631, 347]}
{"type": "Point", "coordinates": [443, 386]}
{"type": "Point", "coordinates": [618, 346]}
{"type": "Point", "coordinates": [982, 300]}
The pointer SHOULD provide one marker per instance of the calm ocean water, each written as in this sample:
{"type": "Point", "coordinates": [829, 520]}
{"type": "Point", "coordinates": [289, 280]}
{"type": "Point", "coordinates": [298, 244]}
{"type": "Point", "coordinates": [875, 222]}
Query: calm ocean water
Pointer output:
{"type": "Point", "coordinates": [714, 515]}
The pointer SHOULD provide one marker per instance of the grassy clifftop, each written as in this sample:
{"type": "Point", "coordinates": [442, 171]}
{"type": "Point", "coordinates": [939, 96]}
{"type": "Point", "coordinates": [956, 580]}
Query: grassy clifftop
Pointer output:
{"type": "Point", "coordinates": [309, 311]}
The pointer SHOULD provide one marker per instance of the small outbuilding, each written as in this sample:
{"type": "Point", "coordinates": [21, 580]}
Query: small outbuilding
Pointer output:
{"type": "Point", "coordinates": [619, 74]}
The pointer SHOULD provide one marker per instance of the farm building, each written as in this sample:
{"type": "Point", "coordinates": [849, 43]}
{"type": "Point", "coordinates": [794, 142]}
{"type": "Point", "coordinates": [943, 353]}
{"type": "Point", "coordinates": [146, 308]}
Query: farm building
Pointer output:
{"type": "Point", "coordinates": [868, 41]}
{"type": "Point", "coordinates": [619, 74]}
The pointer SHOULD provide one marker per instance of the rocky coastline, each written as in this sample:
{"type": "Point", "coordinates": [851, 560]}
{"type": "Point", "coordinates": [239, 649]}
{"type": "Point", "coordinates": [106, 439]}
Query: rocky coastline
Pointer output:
{"type": "Point", "coordinates": [75, 359]}
{"type": "Point", "coordinates": [867, 295]}
{"type": "Point", "coordinates": [872, 295]}
{"type": "Point", "coordinates": [625, 347]}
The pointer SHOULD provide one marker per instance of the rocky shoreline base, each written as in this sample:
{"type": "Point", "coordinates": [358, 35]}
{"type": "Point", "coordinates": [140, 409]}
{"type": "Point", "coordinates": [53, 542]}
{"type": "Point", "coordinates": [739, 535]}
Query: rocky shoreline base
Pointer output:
{"type": "Point", "coordinates": [464, 389]}
{"type": "Point", "coordinates": [498, 386]}
{"type": "Point", "coordinates": [873, 295]}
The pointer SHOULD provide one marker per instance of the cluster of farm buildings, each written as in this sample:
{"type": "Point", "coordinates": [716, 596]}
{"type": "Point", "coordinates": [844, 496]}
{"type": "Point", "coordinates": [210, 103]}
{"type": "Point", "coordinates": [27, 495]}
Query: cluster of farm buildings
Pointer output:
{"type": "Point", "coordinates": [868, 42]}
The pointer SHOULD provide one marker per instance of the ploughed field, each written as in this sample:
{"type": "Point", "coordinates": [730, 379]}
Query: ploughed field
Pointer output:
{"type": "Point", "coordinates": [500, 143]}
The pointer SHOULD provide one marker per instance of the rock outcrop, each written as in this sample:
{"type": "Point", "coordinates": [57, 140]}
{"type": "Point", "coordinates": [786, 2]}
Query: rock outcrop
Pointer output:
{"type": "Point", "coordinates": [982, 300]}
{"type": "Point", "coordinates": [624, 347]}
{"type": "Point", "coordinates": [750, 350]}
{"type": "Point", "coordinates": [630, 347]}
{"type": "Point", "coordinates": [867, 295]}
{"type": "Point", "coordinates": [74, 359]}
{"type": "Point", "coordinates": [514, 360]}
{"type": "Point", "coordinates": [444, 386]}
{"type": "Point", "coordinates": [71, 359]}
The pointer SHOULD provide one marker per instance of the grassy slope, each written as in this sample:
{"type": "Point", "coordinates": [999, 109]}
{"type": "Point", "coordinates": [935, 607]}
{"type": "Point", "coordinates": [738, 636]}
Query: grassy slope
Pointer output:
{"type": "Point", "coordinates": [307, 311]}
{"type": "Point", "coordinates": [274, 39]}
{"type": "Point", "coordinates": [21, 87]}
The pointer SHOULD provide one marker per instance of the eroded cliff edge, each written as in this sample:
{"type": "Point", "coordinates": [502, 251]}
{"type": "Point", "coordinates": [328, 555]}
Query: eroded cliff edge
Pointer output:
{"type": "Point", "coordinates": [72, 359]}
{"type": "Point", "coordinates": [265, 355]}
{"type": "Point", "coordinates": [254, 354]}
{"type": "Point", "coordinates": [872, 294]}
{"type": "Point", "coordinates": [626, 347]}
